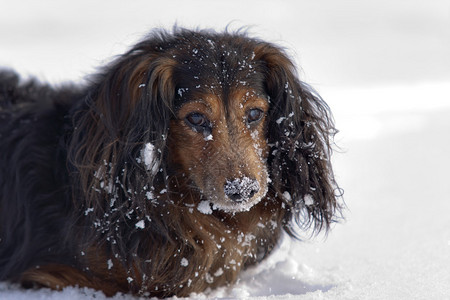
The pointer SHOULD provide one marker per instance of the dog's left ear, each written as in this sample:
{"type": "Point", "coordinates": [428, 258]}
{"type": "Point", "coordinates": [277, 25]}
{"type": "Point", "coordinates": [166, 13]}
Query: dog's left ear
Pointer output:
{"type": "Point", "coordinates": [301, 132]}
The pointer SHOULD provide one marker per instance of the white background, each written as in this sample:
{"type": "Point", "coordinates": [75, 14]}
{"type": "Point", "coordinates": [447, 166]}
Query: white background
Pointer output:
{"type": "Point", "coordinates": [384, 69]}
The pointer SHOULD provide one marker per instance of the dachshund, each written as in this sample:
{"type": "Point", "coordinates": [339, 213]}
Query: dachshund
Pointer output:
{"type": "Point", "coordinates": [174, 168]}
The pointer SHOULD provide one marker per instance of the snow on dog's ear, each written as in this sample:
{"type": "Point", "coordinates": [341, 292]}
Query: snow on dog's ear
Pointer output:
{"type": "Point", "coordinates": [119, 142]}
{"type": "Point", "coordinates": [300, 131]}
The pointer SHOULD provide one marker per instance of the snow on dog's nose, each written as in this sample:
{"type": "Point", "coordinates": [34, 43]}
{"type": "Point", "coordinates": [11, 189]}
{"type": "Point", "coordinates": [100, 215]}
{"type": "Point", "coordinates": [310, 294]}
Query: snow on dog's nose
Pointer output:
{"type": "Point", "coordinates": [241, 189]}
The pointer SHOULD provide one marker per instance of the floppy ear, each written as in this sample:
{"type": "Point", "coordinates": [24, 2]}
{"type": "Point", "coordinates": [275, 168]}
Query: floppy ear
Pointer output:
{"type": "Point", "coordinates": [118, 145]}
{"type": "Point", "coordinates": [300, 131]}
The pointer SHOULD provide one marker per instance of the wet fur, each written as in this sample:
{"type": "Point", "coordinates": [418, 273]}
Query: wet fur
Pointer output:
{"type": "Point", "coordinates": [73, 185]}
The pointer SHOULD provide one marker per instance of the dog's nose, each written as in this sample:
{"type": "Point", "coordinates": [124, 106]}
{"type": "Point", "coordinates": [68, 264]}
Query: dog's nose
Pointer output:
{"type": "Point", "coordinates": [241, 189]}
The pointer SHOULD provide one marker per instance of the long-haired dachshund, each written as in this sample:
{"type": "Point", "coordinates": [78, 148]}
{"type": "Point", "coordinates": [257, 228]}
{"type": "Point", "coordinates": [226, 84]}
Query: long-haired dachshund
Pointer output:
{"type": "Point", "coordinates": [176, 167]}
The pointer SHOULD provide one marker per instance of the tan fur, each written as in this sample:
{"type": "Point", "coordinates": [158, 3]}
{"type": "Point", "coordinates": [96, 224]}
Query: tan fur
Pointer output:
{"type": "Point", "coordinates": [234, 150]}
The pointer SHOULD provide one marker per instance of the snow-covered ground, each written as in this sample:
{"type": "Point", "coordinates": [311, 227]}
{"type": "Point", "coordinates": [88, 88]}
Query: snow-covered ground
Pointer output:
{"type": "Point", "coordinates": [384, 69]}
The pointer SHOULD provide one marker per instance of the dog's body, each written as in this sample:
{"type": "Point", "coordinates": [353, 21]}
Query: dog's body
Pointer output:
{"type": "Point", "coordinates": [177, 167]}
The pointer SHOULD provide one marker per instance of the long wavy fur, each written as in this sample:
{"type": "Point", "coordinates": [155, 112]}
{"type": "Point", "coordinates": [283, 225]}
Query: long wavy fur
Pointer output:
{"type": "Point", "coordinates": [79, 207]}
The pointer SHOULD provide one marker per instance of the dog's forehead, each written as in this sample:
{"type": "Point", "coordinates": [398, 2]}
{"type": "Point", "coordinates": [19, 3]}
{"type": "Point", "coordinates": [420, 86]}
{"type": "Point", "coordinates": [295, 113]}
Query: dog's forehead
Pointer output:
{"type": "Point", "coordinates": [224, 70]}
{"type": "Point", "coordinates": [236, 99]}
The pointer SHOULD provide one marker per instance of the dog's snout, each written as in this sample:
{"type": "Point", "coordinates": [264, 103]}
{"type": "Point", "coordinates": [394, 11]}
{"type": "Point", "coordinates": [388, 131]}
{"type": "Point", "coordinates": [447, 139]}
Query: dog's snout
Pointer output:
{"type": "Point", "coordinates": [241, 189]}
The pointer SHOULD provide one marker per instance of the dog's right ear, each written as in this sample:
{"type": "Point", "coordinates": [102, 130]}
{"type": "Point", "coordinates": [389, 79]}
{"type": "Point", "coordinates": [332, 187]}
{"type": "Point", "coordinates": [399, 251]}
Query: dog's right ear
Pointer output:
{"type": "Point", "coordinates": [125, 114]}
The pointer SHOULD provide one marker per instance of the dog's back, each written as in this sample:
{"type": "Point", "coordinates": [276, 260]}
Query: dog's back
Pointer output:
{"type": "Point", "coordinates": [33, 201]}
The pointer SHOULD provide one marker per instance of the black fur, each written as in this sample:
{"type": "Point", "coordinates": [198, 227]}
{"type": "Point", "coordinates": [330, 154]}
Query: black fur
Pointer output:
{"type": "Point", "coordinates": [35, 197]}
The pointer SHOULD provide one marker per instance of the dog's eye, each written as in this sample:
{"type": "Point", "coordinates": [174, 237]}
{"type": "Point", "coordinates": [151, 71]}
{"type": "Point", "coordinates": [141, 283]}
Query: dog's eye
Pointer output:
{"type": "Point", "coordinates": [197, 121]}
{"type": "Point", "coordinates": [254, 115]}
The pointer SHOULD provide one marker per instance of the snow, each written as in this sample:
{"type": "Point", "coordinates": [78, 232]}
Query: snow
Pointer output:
{"type": "Point", "coordinates": [208, 138]}
{"type": "Point", "coordinates": [395, 243]}
{"type": "Point", "coordinates": [110, 264]}
{"type": "Point", "coordinates": [140, 224]}
{"type": "Point", "coordinates": [184, 262]}
{"type": "Point", "coordinates": [204, 207]}
{"type": "Point", "coordinates": [219, 272]}
{"type": "Point", "coordinates": [244, 187]}
{"type": "Point", "coordinates": [287, 196]}
{"type": "Point", "coordinates": [148, 157]}
{"type": "Point", "coordinates": [13, 292]}
{"type": "Point", "coordinates": [149, 195]}
{"type": "Point", "coordinates": [384, 70]}
{"type": "Point", "coordinates": [309, 200]}
{"type": "Point", "coordinates": [281, 119]}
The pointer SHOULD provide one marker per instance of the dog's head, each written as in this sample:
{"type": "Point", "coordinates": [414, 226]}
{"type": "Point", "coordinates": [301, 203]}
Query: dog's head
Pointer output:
{"type": "Point", "coordinates": [222, 114]}
{"type": "Point", "coordinates": [218, 135]}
